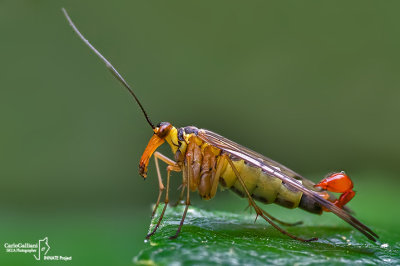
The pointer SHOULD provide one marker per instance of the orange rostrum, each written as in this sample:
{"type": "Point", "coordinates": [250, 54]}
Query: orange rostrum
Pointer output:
{"type": "Point", "coordinates": [153, 144]}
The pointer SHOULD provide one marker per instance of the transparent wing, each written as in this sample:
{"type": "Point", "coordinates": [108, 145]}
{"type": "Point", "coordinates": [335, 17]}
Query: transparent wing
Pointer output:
{"type": "Point", "coordinates": [280, 171]}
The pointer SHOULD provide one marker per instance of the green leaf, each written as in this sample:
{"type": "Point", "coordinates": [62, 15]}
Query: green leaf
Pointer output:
{"type": "Point", "coordinates": [234, 239]}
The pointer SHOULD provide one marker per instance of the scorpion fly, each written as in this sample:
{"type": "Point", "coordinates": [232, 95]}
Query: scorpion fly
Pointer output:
{"type": "Point", "coordinates": [208, 160]}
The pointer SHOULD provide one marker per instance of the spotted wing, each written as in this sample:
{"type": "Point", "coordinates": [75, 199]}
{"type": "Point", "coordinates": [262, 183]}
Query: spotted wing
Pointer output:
{"type": "Point", "coordinates": [287, 176]}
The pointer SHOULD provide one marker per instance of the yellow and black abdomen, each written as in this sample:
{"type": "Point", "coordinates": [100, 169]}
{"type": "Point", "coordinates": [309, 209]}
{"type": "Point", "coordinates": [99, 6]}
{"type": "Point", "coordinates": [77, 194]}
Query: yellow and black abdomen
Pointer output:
{"type": "Point", "coordinates": [265, 188]}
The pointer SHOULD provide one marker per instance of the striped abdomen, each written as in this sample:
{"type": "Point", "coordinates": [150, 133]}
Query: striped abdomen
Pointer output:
{"type": "Point", "coordinates": [266, 188]}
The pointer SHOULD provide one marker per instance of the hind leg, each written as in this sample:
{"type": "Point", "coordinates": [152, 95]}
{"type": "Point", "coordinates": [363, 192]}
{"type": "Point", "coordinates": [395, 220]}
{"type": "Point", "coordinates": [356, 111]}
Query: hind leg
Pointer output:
{"type": "Point", "coordinates": [258, 210]}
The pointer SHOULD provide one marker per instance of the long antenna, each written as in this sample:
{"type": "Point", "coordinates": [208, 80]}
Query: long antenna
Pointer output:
{"type": "Point", "coordinates": [108, 65]}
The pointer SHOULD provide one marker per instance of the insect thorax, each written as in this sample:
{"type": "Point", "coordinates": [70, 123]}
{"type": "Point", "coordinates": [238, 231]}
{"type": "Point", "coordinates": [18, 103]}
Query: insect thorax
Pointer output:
{"type": "Point", "coordinates": [178, 139]}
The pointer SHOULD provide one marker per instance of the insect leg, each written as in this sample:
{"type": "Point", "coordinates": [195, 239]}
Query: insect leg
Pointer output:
{"type": "Point", "coordinates": [168, 161]}
{"type": "Point", "coordinates": [160, 186]}
{"type": "Point", "coordinates": [279, 221]}
{"type": "Point", "coordinates": [259, 211]}
{"type": "Point", "coordinates": [171, 167]}
{"type": "Point", "coordinates": [215, 180]}
{"type": "Point", "coordinates": [188, 174]}
{"type": "Point", "coordinates": [275, 219]}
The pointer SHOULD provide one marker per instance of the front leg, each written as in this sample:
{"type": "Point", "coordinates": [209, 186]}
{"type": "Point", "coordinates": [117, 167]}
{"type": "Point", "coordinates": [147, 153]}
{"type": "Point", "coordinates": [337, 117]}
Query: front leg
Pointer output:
{"type": "Point", "coordinates": [172, 166]}
{"type": "Point", "coordinates": [161, 187]}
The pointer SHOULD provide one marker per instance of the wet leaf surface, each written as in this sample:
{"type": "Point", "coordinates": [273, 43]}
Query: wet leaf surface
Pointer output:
{"type": "Point", "coordinates": [215, 237]}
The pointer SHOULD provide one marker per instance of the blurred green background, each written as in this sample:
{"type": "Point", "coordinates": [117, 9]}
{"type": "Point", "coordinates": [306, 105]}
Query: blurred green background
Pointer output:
{"type": "Point", "coordinates": [314, 85]}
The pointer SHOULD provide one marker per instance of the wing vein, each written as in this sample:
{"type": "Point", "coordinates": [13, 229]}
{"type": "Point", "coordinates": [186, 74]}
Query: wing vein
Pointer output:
{"type": "Point", "coordinates": [282, 172]}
